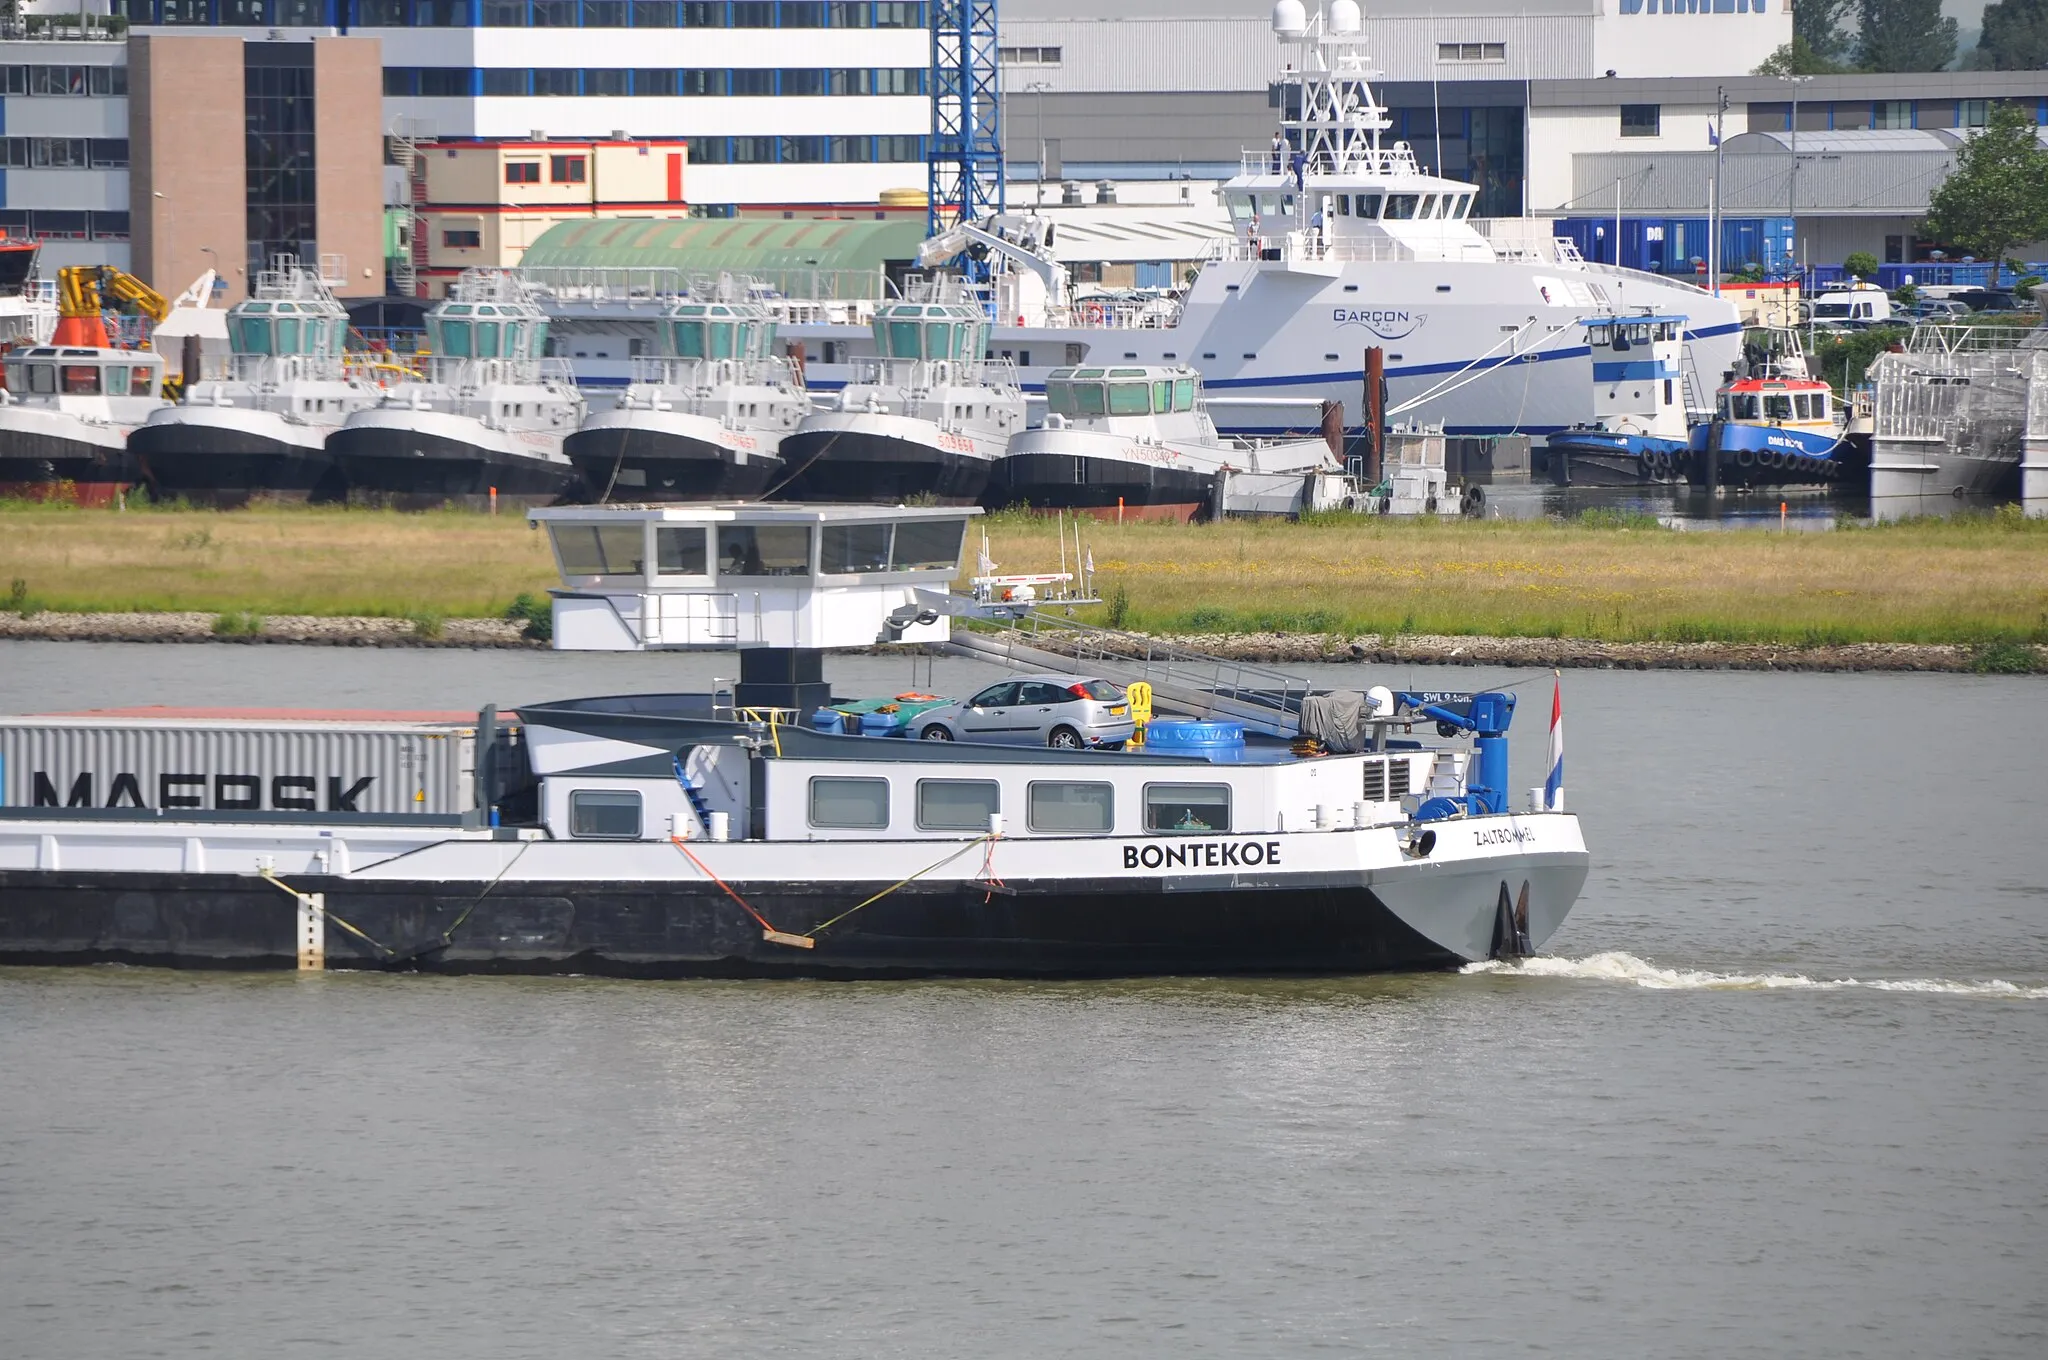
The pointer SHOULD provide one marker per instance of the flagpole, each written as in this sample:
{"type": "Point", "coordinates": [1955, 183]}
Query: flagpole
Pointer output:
{"type": "Point", "coordinates": [1553, 786]}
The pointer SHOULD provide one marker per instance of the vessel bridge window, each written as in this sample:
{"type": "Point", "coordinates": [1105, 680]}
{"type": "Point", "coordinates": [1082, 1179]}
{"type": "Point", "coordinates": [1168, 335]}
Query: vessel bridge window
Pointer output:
{"type": "Point", "coordinates": [1060, 805]}
{"type": "Point", "coordinates": [1778, 406]}
{"type": "Point", "coordinates": [850, 549]}
{"type": "Point", "coordinates": [680, 551]}
{"type": "Point", "coordinates": [81, 380]}
{"type": "Point", "coordinates": [1742, 406]}
{"type": "Point", "coordinates": [849, 804]}
{"type": "Point", "coordinates": [957, 804]}
{"type": "Point", "coordinates": [600, 549]}
{"type": "Point", "coordinates": [1402, 207]}
{"type": "Point", "coordinates": [764, 550]}
{"type": "Point", "coordinates": [605, 814]}
{"type": "Point", "coordinates": [718, 332]}
{"type": "Point", "coordinates": [1129, 399]}
{"type": "Point", "coordinates": [1183, 809]}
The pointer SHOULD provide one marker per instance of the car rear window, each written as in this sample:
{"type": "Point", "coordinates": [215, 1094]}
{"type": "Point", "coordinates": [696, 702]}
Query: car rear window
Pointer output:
{"type": "Point", "coordinates": [1102, 690]}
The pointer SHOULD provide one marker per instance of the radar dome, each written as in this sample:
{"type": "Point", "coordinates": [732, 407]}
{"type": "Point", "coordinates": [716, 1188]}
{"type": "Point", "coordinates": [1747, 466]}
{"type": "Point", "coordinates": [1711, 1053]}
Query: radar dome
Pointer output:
{"type": "Point", "coordinates": [1344, 16]}
{"type": "Point", "coordinates": [1290, 20]}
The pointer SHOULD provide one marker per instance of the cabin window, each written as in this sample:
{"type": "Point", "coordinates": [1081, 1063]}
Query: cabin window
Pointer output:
{"type": "Point", "coordinates": [679, 551]}
{"type": "Point", "coordinates": [42, 378]}
{"type": "Point", "coordinates": [859, 804]}
{"type": "Point", "coordinates": [1342, 205]}
{"type": "Point", "coordinates": [1128, 399]}
{"type": "Point", "coordinates": [957, 804]}
{"type": "Point", "coordinates": [600, 549]}
{"type": "Point", "coordinates": [1059, 399]}
{"type": "Point", "coordinates": [1183, 394]}
{"type": "Point", "coordinates": [605, 814]}
{"type": "Point", "coordinates": [1401, 207]}
{"type": "Point", "coordinates": [455, 339]}
{"type": "Point", "coordinates": [1367, 205]}
{"type": "Point", "coordinates": [1745, 406]}
{"type": "Point", "coordinates": [1162, 395]}
{"type": "Point", "coordinates": [928, 545]}
{"type": "Point", "coordinates": [850, 548]}
{"type": "Point", "coordinates": [142, 382]}
{"type": "Point", "coordinates": [288, 336]}
{"type": "Point", "coordinates": [902, 340]}
{"type": "Point", "coordinates": [764, 549]}
{"type": "Point", "coordinates": [1429, 206]}
{"type": "Point", "coordinates": [81, 380]}
{"type": "Point", "coordinates": [1088, 399]}
{"type": "Point", "coordinates": [1187, 809]}
{"type": "Point", "coordinates": [1064, 806]}
{"type": "Point", "coordinates": [1778, 406]}
{"type": "Point", "coordinates": [486, 339]}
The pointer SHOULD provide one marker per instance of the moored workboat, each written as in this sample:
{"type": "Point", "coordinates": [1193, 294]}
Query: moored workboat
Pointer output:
{"type": "Point", "coordinates": [1137, 442]}
{"type": "Point", "coordinates": [715, 835]}
{"type": "Point", "coordinates": [927, 420]}
{"type": "Point", "coordinates": [261, 430]}
{"type": "Point", "coordinates": [1775, 426]}
{"type": "Point", "coordinates": [484, 421]}
{"type": "Point", "coordinates": [706, 418]}
{"type": "Point", "coordinates": [1638, 431]}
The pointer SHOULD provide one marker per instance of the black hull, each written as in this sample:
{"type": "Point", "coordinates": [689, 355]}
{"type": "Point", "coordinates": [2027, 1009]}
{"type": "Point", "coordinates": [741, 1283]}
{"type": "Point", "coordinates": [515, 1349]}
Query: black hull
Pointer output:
{"type": "Point", "coordinates": [672, 467]}
{"type": "Point", "coordinates": [31, 459]}
{"type": "Point", "coordinates": [410, 470]}
{"type": "Point", "coordinates": [231, 467]}
{"type": "Point", "coordinates": [683, 930]}
{"type": "Point", "coordinates": [1066, 481]}
{"type": "Point", "coordinates": [1734, 474]}
{"type": "Point", "coordinates": [1577, 467]}
{"type": "Point", "coordinates": [872, 469]}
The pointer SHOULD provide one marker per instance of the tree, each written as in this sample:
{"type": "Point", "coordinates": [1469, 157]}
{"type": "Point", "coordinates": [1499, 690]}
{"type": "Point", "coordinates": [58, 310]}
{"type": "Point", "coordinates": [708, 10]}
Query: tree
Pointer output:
{"type": "Point", "coordinates": [1797, 58]}
{"type": "Point", "coordinates": [2015, 36]}
{"type": "Point", "coordinates": [1818, 25]}
{"type": "Point", "coordinates": [1904, 35]}
{"type": "Point", "coordinates": [1862, 264]}
{"type": "Point", "coordinates": [1997, 195]}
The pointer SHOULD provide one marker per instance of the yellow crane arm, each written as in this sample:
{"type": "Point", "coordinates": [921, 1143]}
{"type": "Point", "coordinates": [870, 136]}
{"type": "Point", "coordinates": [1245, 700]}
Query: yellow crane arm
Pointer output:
{"type": "Point", "coordinates": [78, 290]}
{"type": "Point", "coordinates": [135, 292]}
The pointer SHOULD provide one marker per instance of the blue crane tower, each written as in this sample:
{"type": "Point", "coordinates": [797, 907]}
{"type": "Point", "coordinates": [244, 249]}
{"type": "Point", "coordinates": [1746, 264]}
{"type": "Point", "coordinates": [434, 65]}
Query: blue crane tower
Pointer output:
{"type": "Point", "coordinates": [965, 155]}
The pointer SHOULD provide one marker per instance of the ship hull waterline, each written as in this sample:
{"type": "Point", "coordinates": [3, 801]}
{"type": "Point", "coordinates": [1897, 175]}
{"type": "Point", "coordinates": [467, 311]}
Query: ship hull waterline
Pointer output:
{"type": "Point", "coordinates": [624, 462]}
{"type": "Point", "coordinates": [1104, 488]}
{"type": "Point", "coordinates": [841, 464]}
{"type": "Point", "coordinates": [217, 463]}
{"type": "Point", "coordinates": [421, 470]}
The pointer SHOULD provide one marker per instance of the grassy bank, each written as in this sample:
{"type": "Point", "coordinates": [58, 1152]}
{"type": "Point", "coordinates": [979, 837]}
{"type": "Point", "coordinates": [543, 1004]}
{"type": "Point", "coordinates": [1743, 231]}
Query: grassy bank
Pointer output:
{"type": "Point", "coordinates": [1970, 580]}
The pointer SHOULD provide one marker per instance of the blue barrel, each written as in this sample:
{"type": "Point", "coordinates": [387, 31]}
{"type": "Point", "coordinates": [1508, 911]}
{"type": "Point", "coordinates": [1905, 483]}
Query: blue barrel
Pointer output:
{"type": "Point", "coordinates": [881, 724]}
{"type": "Point", "coordinates": [1193, 736]}
{"type": "Point", "coordinates": [828, 720]}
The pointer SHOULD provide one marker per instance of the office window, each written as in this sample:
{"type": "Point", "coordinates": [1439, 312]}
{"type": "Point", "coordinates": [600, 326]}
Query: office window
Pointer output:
{"type": "Point", "coordinates": [522, 172]}
{"type": "Point", "coordinates": [445, 82]}
{"type": "Point", "coordinates": [504, 80]}
{"type": "Point", "coordinates": [697, 15]}
{"type": "Point", "coordinates": [110, 226]}
{"type": "Point", "coordinates": [1471, 51]}
{"type": "Point", "coordinates": [107, 81]}
{"type": "Point", "coordinates": [709, 151]}
{"type": "Point", "coordinates": [567, 169]}
{"type": "Point", "coordinates": [58, 153]}
{"type": "Point", "coordinates": [803, 150]}
{"type": "Point", "coordinates": [899, 80]}
{"type": "Point", "coordinates": [604, 13]}
{"type": "Point", "coordinates": [243, 13]}
{"type": "Point", "coordinates": [899, 149]}
{"type": "Point", "coordinates": [1892, 114]}
{"type": "Point", "coordinates": [701, 82]}
{"type": "Point", "coordinates": [803, 81]}
{"type": "Point", "coordinates": [657, 14]}
{"type": "Point", "coordinates": [558, 80]}
{"type": "Point", "coordinates": [605, 80]}
{"type": "Point", "coordinates": [51, 80]}
{"type": "Point", "coordinates": [801, 14]}
{"type": "Point", "coordinates": [185, 12]}
{"type": "Point", "coordinates": [898, 14]}
{"type": "Point", "coordinates": [1641, 120]}
{"type": "Point", "coordinates": [861, 804]}
{"type": "Point", "coordinates": [505, 13]}
{"type": "Point", "coordinates": [1972, 113]}
{"type": "Point", "coordinates": [1028, 56]}
{"type": "Point", "coordinates": [109, 153]}
{"type": "Point", "coordinates": [58, 226]}
{"type": "Point", "coordinates": [440, 13]}
{"type": "Point", "coordinates": [296, 13]}
{"type": "Point", "coordinates": [380, 13]}
{"type": "Point", "coordinates": [753, 150]}
{"type": "Point", "coordinates": [553, 13]}
{"type": "Point", "coordinates": [462, 239]}
{"type": "Point", "coordinates": [753, 14]}
{"type": "Point", "coordinates": [751, 80]}
{"type": "Point", "coordinates": [605, 814]}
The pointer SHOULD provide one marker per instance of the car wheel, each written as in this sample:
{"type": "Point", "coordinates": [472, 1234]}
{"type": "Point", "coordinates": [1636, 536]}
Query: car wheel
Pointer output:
{"type": "Point", "coordinates": [1064, 739]}
{"type": "Point", "coordinates": [935, 733]}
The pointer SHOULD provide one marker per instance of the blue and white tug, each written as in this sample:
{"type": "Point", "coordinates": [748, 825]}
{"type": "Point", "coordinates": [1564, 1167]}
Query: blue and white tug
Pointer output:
{"type": "Point", "coordinates": [1638, 431]}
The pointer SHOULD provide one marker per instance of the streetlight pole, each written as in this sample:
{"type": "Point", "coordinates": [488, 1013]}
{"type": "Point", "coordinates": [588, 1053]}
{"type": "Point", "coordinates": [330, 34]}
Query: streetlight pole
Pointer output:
{"type": "Point", "coordinates": [1792, 180]}
{"type": "Point", "coordinates": [1038, 88]}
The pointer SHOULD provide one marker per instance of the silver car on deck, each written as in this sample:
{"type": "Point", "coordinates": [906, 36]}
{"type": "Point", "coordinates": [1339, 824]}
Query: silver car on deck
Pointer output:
{"type": "Point", "coordinates": [1067, 712]}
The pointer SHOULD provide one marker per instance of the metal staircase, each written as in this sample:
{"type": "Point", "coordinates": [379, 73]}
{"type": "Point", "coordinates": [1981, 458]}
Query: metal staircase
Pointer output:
{"type": "Point", "coordinates": [1183, 681]}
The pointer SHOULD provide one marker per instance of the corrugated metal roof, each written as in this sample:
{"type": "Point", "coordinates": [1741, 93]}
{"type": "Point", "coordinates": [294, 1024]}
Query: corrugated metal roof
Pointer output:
{"type": "Point", "coordinates": [732, 243]}
{"type": "Point", "coordinates": [1845, 141]}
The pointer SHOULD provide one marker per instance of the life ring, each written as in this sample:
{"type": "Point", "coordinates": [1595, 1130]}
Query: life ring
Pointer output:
{"type": "Point", "coordinates": [1093, 313]}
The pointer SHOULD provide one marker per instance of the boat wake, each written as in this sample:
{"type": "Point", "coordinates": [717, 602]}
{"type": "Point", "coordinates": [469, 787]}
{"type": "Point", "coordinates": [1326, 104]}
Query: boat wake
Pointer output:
{"type": "Point", "coordinates": [1616, 966]}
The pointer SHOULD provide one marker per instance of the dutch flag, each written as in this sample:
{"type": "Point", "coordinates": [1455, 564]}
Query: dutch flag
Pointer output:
{"type": "Point", "coordinates": [1553, 787]}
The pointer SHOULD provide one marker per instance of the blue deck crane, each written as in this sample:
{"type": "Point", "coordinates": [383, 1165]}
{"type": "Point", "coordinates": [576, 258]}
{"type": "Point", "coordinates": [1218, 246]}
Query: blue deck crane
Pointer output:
{"type": "Point", "coordinates": [965, 155]}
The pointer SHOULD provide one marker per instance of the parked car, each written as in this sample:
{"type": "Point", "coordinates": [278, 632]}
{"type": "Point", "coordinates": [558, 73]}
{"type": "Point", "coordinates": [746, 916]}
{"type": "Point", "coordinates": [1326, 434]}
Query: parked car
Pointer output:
{"type": "Point", "coordinates": [1069, 712]}
{"type": "Point", "coordinates": [1937, 310]}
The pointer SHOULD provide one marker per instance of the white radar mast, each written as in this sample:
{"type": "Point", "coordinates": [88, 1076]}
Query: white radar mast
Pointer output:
{"type": "Point", "coordinates": [1328, 110]}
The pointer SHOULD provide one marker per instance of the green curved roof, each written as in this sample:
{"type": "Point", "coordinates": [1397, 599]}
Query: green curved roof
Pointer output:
{"type": "Point", "coordinates": [724, 243]}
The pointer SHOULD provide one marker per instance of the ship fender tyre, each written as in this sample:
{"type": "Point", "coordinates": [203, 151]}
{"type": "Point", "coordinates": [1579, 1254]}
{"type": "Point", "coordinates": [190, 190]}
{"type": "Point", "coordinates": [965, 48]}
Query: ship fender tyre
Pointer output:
{"type": "Point", "coordinates": [1064, 739]}
{"type": "Point", "coordinates": [935, 732]}
{"type": "Point", "coordinates": [1745, 458]}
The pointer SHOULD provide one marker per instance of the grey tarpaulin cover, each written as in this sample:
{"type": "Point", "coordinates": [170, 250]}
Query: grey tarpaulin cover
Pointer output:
{"type": "Point", "coordinates": [1336, 720]}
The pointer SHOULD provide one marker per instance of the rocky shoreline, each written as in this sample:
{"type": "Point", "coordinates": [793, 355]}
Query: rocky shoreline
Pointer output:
{"type": "Point", "coordinates": [1268, 648]}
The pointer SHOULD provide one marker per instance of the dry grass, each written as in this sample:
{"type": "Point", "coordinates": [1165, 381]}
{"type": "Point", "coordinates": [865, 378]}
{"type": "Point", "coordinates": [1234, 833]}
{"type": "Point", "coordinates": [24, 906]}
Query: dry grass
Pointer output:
{"type": "Point", "coordinates": [1975, 580]}
{"type": "Point", "coordinates": [1966, 580]}
{"type": "Point", "coordinates": [282, 561]}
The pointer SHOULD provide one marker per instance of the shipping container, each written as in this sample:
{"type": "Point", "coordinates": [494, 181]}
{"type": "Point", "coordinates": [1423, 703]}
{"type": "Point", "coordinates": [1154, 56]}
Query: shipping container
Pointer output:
{"type": "Point", "coordinates": [238, 765]}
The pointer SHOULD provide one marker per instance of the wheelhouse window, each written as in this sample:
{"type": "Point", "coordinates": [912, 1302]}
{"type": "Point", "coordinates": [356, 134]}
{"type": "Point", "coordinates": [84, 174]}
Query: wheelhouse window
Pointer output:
{"type": "Point", "coordinates": [957, 804]}
{"type": "Point", "coordinates": [1129, 399]}
{"type": "Point", "coordinates": [927, 545]}
{"type": "Point", "coordinates": [1065, 806]}
{"type": "Point", "coordinates": [1641, 120]}
{"type": "Point", "coordinates": [680, 551]}
{"type": "Point", "coordinates": [605, 814]}
{"type": "Point", "coordinates": [842, 803]}
{"type": "Point", "coordinates": [600, 549]}
{"type": "Point", "coordinates": [848, 549]}
{"type": "Point", "coordinates": [1401, 207]}
{"type": "Point", "coordinates": [764, 550]}
{"type": "Point", "coordinates": [81, 380]}
{"type": "Point", "coordinates": [1187, 809]}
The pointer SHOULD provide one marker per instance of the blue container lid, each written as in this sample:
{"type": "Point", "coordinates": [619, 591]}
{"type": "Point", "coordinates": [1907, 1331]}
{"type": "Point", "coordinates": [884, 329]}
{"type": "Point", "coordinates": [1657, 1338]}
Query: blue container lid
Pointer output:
{"type": "Point", "coordinates": [1188, 734]}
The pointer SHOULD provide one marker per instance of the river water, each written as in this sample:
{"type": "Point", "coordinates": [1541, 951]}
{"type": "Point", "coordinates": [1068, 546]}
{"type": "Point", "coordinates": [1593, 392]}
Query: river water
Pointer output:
{"type": "Point", "coordinates": [1780, 1087]}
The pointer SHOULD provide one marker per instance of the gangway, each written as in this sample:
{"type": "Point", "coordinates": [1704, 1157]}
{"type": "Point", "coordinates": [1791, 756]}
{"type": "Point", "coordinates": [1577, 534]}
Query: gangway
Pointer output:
{"type": "Point", "coordinates": [1265, 700]}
